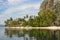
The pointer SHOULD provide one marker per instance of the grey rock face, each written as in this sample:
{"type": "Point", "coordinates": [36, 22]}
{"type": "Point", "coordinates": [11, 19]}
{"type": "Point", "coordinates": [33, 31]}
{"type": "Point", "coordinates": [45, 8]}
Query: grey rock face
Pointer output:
{"type": "Point", "coordinates": [54, 5]}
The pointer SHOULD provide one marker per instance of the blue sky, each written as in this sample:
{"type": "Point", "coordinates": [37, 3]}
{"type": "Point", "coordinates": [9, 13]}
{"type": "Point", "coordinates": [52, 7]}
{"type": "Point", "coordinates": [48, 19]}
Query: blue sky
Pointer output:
{"type": "Point", "coordinates": [18, 8]}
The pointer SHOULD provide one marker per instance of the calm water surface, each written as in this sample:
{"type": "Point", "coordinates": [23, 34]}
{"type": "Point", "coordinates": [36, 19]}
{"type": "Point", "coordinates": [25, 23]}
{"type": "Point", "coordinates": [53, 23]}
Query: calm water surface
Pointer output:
{"type": "Point", "coordinates": [17, 34]}
{"type": "Point", "coordinates": [14, 34]}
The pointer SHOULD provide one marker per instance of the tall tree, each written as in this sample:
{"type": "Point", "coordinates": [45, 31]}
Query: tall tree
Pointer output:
{"type": "Point", "coordinates": [47, 17]}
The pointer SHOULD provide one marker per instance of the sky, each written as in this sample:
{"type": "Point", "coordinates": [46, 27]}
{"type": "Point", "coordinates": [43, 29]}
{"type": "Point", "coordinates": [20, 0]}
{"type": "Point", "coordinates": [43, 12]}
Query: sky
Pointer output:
{"type": "Point", "coordinates": [18, 8]}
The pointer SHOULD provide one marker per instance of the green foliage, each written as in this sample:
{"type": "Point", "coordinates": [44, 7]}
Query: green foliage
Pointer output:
{"type": "Point", "coordinates": [8, 22]}
{"type": "Point", "coordinates": [46, 17]}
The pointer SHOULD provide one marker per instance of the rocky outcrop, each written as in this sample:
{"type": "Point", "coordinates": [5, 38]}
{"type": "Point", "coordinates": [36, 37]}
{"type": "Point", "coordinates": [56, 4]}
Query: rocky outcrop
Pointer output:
{"type": "Point", "coordinates": [54, 5]}
{"type": "Point", "coordinates": [47, 4]}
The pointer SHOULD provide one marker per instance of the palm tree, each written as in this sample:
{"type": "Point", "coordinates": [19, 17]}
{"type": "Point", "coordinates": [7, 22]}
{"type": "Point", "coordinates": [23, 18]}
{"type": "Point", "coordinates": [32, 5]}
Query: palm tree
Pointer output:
{"type": "Point", "coordinates": [9, 22]}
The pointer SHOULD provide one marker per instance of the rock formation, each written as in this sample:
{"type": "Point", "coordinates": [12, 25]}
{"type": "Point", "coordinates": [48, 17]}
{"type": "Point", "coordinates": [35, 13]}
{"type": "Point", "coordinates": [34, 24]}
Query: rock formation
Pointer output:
{"type": "Point", "coordinates": [54, 5]}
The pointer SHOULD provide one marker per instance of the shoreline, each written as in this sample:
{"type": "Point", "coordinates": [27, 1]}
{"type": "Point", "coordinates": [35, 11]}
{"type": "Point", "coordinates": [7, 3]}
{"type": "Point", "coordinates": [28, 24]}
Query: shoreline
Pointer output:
{"type": "Point", "coordinates": [42, 28]}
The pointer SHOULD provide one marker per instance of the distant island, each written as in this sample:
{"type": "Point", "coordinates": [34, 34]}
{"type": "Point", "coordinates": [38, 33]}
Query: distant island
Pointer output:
{"type": "Point", "coordinates": [48, 15]}
{"type": "Point", "coordinates": [1, 25]}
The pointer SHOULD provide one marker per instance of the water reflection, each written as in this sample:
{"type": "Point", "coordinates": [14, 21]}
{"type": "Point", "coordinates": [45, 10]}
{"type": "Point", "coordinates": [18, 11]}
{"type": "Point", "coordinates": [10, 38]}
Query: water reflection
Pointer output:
{"type": "Point", "coordinates": [31, 34]}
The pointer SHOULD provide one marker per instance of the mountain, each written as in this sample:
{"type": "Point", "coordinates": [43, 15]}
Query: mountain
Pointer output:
{"type": "Point", "coordinates": [49, 4]}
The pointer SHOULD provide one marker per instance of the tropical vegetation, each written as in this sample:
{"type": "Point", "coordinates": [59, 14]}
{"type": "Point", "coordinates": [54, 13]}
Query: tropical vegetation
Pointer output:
{"type": "Point", "coordinates": [48, 15]}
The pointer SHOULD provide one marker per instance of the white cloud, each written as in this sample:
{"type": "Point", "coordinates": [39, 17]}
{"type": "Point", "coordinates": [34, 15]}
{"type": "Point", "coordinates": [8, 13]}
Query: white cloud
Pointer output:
{"type": "Point", "coordinates": [14, 2]}
{"type": "Point", "coordinates": [1, 0]}
{"type": "Point", "coordinates": [36, 6]}
{"type": "Point", "coordinates": [19, 10]}
{"type": "Point", "coordinates": [11, 1]}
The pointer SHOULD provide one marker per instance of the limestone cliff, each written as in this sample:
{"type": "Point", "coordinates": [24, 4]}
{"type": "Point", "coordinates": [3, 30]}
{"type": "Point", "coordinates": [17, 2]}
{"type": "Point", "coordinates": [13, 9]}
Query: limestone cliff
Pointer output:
{"type": "Point", "coordinates": [54, 5]}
